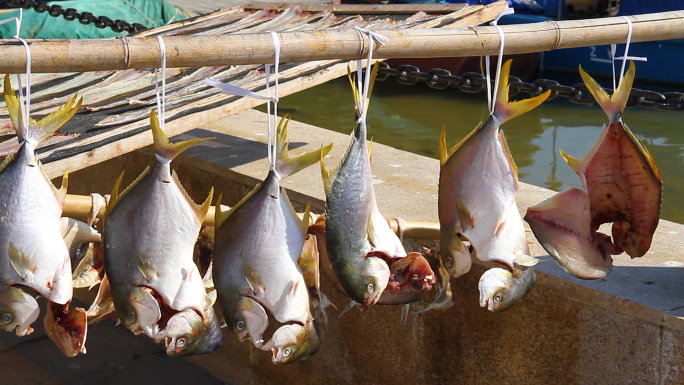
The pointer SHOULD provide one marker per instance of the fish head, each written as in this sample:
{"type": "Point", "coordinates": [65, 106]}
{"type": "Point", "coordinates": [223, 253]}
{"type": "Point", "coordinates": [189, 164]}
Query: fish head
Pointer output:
{"type": "Point", "coordinates": [247, 318]}
{"type": "Point", "coordinates": [187, 333]}
{"type": "Point", "coordinates": [18, 310]}
{"type": "Point", "coordinates": [139, 311]}
{"type": "Point", "coordinates": [494, 286]}
{"type": "Point", "coordinates": [366, 286]}
{"type": "Point", "coordinates": [293, 342]}
{"type": "Point", "coordinates": [500, 289]}
{"type": "Point", "coordinates": [454, 254]}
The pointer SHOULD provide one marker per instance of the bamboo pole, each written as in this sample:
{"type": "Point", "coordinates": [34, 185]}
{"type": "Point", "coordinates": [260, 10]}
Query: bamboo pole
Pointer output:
{"type": "Point", "coordinates": [80, 206]}
{"type": "Point", "coordinates": [207, 50]}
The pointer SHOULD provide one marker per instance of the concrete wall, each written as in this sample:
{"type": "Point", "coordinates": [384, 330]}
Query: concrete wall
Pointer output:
{"type": "Point", "coordinates": [625, 329]}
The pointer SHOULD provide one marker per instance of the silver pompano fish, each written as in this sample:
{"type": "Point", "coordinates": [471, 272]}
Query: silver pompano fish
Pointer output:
{"type": "Point", "coordinates": [149, 237]}
{"type": "Point", "coordinates": [32, 251]}
{"type": "Point", "coordinates": [368, 259]}
{"type": "Point", "coordinates": [478, 185]}
{"type": "Point", "coordinates": [256, 253]}
{"type": "Point", "coordinates": [623, 186]}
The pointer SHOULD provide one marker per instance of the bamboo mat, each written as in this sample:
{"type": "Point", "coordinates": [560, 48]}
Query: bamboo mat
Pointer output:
{"type": "Point", "coordinates": [114, 118]}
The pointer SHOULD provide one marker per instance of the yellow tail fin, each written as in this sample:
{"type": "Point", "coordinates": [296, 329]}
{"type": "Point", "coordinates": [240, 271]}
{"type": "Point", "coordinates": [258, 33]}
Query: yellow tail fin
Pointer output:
{"type": "Point", "coordinates": [289, 166]}
{"type": "Point", "coordinates": [505, 110]}
{"type": "Point", "coordinates": [615, 104]}
{"type": "Point", "coordinates": [37, 132]}
{"type": "Point", "coordinates": [162, 146]}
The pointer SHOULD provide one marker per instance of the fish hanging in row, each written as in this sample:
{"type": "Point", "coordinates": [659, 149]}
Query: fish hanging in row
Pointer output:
{"type": "Point", "coordinates": [369, 262]}
{"type": "Point", "coordinates": [149, 237]}
{"type": "Point", "coordinates": [33, 253]}
{"type": "Point", "coordinates": [622, 185]}
{"type": "Point", "coordinates": [258, 250]}
{"type": "Point", "coordinates": [478, 184]}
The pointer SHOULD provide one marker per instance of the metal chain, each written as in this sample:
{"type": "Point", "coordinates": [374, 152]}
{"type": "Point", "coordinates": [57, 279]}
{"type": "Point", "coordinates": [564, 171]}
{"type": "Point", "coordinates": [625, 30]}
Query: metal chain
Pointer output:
{"type": "Point", "coordinates": [474, 82]}
{"type": "Point", "coordinates": [83, 17]}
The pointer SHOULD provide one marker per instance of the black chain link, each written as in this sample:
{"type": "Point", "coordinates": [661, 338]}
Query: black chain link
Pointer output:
{"type": "Point", "coordinates": [70, 14]}
{"type": "Point", "coordinates": [474, 82]}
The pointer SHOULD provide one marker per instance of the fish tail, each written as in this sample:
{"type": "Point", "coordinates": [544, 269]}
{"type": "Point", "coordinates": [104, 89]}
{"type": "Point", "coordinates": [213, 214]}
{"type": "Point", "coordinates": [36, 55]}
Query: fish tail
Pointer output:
{"type": "Point", "coordinates": [38, 131]}
{"type": "Point", "coordinates": [356, 91]}
{"type": "Point", "coordinates": [612, 105]}
{"type": "Point", "coordinates": [220, 215]}
{"type": "Point", "coordinates": [162, 146]}
{"type": "Point", "coordinates": [288, 166]}
{"type": "Point", "coordinates": [505, 110]}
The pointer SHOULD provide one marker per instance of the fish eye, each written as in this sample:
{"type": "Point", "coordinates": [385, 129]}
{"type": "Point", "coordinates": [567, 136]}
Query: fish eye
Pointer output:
{"type": "Point", "coordinates": [240, 325]}
{"type": "Point", "coordinates": [498, 298]}
{"type": "Point", "coordinates": [131, 317]}
{"type": "Point", "coordinates": [287, 352]}
{"type": "Point", "coordinates": [448, 262]}
{"type": "Point", "coordinates": [180, 343]}
{"type": "Point", "coordinates": [370, 288]}
{"type": "Point", "coordinates": [7, 318]}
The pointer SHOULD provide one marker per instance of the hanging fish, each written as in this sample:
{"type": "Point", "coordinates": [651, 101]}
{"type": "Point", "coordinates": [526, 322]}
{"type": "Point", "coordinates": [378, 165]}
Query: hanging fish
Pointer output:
{"type": "Point", "coordinates": [257, 250]}
{"type": "Point", "coordinates": [622, 185]}
{"type": "Point", "coordinates": [32, 250]}
{"type": "Point", "coordinates": [149, 236]}
{"type": "Point", "coordinates": [478, 184]}
{"type": "Point", "coordinates": [367, 257]}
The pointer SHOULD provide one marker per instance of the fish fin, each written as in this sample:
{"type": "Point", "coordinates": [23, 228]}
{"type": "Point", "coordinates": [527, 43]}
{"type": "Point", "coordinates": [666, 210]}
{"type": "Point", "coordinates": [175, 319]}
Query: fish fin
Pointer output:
{"type": "Point", "coordinates": [62, 192]}
{"type": "Point", "coordinates": [208, 279]}
{"type": "Point", "coordinates": [115, 196]}
{"type": "Point", "coordinates": [505, 110]}
{"type": "Point", "coordinates": [507, 150]}
{"type": "Point", "coordinates": [204, 208]}
{"type": "Point", "coordinates": [8, 159]}
{"type": "Point", "coordinates": [254, 280]}
{"type": "Point", "coordinates": [446, 152]}
{"type": "Point", "coordinates": [355, 91]}
{"type": "Point", "coordinates": [370, 150]}
{"type": "Point", "coordinates": [615, 104]}
{"type": "Point", "coordinates": [526, 260]}
{"type": "Point", "coordinates": [21, 263]}
{"type": "Point", "coordinates": [404, 313]}
{"type": "Point", "coordinates": [306, 218]}
{"type": "Point", "coordinates": [349, 306]}
{"type": "Point", "coordinates": [163, 146]}
{"type": "Point", "coordinates": [574, 163]}
{"type": "Point", "coordinates": [328, 175]}
{"type": "Point", "coordinates": [211, 298]}
{"type": "Point", "coordinates": [225, 214]}
{"type": "Point", "coordinates": [219, 214]}
{"type": "Point", "coordinates": [288, 166]}
{"type": "Point", "coordinates": [644, 150]}
{"type": "Point", "coordinates": [145, 266]}
{"type": "Point", "coordinates": [38, 131]}
{"type": "Point", "coordinates": [464, 216]}
{"type": "Point", "coordinates": [103, 304]}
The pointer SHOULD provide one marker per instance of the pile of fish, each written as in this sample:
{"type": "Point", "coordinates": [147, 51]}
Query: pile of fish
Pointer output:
{"type": "Point", "coordinates": [266, 260]}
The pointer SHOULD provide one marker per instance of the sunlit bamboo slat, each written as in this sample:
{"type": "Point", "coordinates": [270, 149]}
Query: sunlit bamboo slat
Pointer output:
{"type": "Point", "coordinates": [208, 50]}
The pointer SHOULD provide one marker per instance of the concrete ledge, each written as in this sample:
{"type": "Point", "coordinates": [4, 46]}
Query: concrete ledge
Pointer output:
{"type": "Point", "coordinates": [625, 329]}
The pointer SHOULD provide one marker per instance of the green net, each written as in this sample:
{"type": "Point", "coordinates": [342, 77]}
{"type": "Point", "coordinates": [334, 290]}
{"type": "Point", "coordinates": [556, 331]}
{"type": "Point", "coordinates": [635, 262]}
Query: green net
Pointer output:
{"type": "Point", "coordinates": [150, 13]}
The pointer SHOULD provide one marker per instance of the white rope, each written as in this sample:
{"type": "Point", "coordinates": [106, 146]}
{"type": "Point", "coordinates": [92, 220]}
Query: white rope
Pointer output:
{"type": "Point", "coordinates": [273, 118]}
{"type": "Point", "coordinates": [24, 100]}
{"type": "Point", "coordinates": [625, 56]}
{"type": "Point", "coordinates": [161, 98]}
{"type": "Point", "coordinates": [373, 37]}
{"type": "Point", "coordinates": [491, 96]}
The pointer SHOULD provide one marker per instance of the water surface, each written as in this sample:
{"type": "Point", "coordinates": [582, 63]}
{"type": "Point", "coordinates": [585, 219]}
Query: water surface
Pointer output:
{"type": "Point", "coordinates": [411, 117]}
